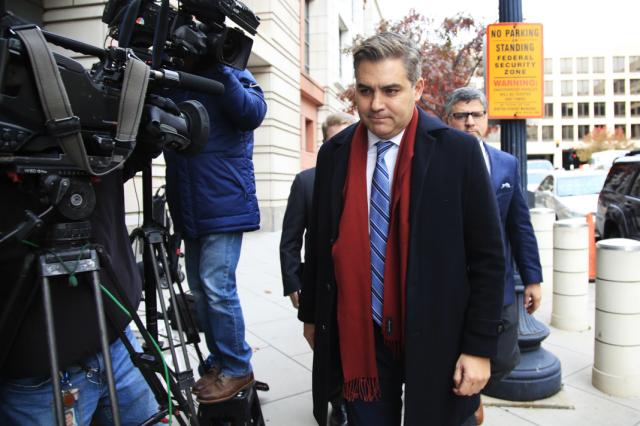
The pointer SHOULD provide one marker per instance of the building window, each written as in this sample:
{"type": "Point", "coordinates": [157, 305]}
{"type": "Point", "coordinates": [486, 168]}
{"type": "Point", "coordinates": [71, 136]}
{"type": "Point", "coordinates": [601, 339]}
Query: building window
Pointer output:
{"type": "Point", "coordinates": [634, 63]}
{"type": "Point", "coordinates": [599, 109]}
{"type": "Point", "coordinates": [566, 87]}
{"type": "Point", "coordinates": [567, 109]}
{"type": "Point", "coordinates": [598, 65]}
{"type": "Point", "coordinates": [635, 109]}
{"type": "Point", "coordinates": [547, 133]}
{"type": "Point", "coordinates": [618, 64]}
{"type": "Point", "coordinates": [582, 65]}
{"type": "Point", "coordinates": [619, 109]}
{"type": "Point", "coordinates": [583, 87]}
{"type": "Point", "coordinates": [620, 130]}
{"type": "Point", "coordinates": [566, 65]}
{"type": "Point", "coordinates": [634, 86]}
{"type": "Point", "coordinates": [548, 88]}
{"type": "Point", "coordinates": [635, 131]}
{"type": "Point", "coordinates": [598, 87]}
{"type": "Point", "coordinates": [618, 86]}
{"type": "Point", "coordinates": [307, 33]}
{"type": "Point", "coordinates": [583, 109]}
{"type": "Point", "coordinates": [583, 130]}
{"type": "Point", "coordinates": [548, 110]}
{"type": "Point", "coordinates": [567, 133]}
{"type": "Point", "coordinates": [532, 133]}
{"type": "Point", "coordinates": [548, 65]}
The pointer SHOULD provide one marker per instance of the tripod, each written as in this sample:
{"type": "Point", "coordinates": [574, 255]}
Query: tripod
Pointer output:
{"type": "Point", "coordinates": [67, 252]}
{"type": "Point", "coordinates": [153, 236]}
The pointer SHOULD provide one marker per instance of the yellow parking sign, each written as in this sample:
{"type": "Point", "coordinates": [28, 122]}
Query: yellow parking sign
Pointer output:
{"type": "Point", "coordinates": [514, 70]}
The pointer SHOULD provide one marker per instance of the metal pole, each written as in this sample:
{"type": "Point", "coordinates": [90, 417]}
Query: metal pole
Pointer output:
{"type": "Point", "coordinates": [538, 375]}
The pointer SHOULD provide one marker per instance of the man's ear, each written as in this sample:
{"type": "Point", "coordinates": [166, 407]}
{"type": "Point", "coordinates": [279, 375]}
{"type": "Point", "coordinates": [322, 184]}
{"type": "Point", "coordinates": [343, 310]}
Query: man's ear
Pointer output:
{"type": "Point", "coordinates": [419, 87]}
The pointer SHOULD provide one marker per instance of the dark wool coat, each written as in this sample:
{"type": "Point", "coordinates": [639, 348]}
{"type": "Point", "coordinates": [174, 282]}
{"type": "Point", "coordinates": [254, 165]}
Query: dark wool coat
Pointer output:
{"type": "Point", "coordinates": [455, 272]}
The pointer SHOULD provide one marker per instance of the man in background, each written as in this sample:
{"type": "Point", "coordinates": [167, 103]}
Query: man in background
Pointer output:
{"type": "Point", "coordinates": [294, 227]}
{"type": "Point", "coordinates": [298, 212]}
{"type": "Point", "coordinates": [466, 110]}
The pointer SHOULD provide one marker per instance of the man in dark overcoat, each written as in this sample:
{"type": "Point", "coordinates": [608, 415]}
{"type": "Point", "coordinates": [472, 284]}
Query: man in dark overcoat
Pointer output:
{"type": "Point", "coordinates": [404, 268]}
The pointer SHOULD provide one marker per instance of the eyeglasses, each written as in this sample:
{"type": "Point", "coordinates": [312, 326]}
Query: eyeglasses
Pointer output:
{"type": "Point", "coordinates": [465, 115]}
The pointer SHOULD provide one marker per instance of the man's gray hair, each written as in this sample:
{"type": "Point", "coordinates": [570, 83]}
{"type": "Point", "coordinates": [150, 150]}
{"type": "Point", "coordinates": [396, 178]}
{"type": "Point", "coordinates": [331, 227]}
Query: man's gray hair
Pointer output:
{"type": "Point", "coordinates": [388, 45]}
{"type": "Point", "coordinates": [464, 94]}
{"type": "Point", "coordinates": [336, 119]}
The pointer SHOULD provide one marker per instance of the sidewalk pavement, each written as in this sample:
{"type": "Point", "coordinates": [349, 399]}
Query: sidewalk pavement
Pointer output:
{"type": "Point", "coordinates": [282, 358]}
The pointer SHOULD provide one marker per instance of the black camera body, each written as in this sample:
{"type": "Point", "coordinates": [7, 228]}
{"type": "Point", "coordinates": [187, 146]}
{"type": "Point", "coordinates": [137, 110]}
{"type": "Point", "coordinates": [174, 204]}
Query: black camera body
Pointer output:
{"type": "Point", "coordinates": [195, 29]}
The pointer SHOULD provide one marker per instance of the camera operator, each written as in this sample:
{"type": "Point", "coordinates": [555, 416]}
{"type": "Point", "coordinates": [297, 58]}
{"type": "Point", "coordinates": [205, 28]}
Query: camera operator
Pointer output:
{"type": "Point", "coordinates": [26, 396]}
{"type": "Point", "coordinates": [212, 200]}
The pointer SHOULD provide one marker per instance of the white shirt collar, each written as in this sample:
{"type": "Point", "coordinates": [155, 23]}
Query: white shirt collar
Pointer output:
{"type": "Point", "coordinates": [373, 139]}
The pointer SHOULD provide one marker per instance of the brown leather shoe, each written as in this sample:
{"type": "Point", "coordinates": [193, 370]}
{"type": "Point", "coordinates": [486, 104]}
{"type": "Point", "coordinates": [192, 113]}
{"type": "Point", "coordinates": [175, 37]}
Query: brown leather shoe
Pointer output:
{"type": "Point", "coordinates": [204, 381]}
{"type": "Point", "coordinates": [224, 388]}
{"type": "Point", "coordinates": [479, 414]}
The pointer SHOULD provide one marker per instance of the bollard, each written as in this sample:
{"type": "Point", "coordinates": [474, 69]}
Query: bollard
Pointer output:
{"type": "Point", "coordinates": [616, 366]}
{"type": "Point", "coordinates": [570, 275]}
{"type": "Point", "coordinates": [542, 220]}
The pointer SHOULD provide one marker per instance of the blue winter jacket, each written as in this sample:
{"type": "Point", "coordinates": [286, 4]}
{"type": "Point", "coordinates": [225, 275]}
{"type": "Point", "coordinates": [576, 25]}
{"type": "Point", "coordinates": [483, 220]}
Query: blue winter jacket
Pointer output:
{"type": "Point", "coordinates": [215, 191]}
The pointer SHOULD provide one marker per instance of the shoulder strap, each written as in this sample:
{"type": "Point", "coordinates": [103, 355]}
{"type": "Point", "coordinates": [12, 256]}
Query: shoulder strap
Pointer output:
{"type": "Point", "coordinates": [61, 122]}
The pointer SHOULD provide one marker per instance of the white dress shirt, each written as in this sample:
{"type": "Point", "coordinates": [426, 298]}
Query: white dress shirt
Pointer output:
{"type": "Point", "coordinates": [485, 155]}
{"type": "Point", "coordinates": [389, 157]}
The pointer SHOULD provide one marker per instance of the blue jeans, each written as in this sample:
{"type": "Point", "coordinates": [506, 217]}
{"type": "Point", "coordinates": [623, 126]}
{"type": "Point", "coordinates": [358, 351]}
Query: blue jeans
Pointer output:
{"type": "Point", "coordinates": [211, 263]}
{"type": "Point", "coordinates": [29, 401]}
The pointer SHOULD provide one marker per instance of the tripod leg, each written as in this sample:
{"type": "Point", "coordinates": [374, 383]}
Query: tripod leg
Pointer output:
{"type": "Point", "coordinates": [104, 343]}
{"type": "Point", "coordinates": [53, 351]}
{"type": "Point", "coordinates": [149, 374]}
{"type": "Point", "coordinates": [150, 280]}
{"type": "Point", "coordinates": [187, 375]}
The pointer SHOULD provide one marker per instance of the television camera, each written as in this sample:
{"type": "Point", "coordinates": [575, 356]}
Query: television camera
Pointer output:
{"type": "Point", "coordinates": [195, 29]}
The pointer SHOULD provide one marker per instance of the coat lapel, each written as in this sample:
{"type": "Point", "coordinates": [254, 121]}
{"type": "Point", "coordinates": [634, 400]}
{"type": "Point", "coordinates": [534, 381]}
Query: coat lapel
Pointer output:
{"type": "Point", "coordinates": [341, 159]}
{"type": "Point", "coordinates": [424, 147]}
{"type": "Point", "coordinates": [493, 162]}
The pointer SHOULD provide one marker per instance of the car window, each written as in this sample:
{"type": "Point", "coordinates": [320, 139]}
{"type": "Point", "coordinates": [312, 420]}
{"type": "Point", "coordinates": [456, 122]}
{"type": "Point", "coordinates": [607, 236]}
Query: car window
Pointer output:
{"type": "Point", "coordinates": [539, 165]}
{"type": "Point", "coordinates": [535, 176]}
{"type": "Point", "coordinates": [619, 176]}
{"type": "Point", "coordinates": [635, 188]}
{"type": "Point", "coordinates": [569, 186]}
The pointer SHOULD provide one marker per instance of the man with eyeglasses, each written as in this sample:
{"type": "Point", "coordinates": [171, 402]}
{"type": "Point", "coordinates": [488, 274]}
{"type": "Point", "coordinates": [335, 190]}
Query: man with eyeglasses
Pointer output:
{"type": "Point", "coordinates": [466, 110]}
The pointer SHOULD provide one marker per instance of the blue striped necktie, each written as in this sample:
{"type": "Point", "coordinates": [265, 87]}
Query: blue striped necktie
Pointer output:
{"type": "Point", "coordinates": [379, 228]}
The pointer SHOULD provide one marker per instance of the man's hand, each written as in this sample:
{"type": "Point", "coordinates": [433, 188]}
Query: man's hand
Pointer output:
{"type": "Point", "coordinates": [309, 331]}
{"type": "Point", "coordinates": [471, 375]}
{"type": "Point", "coordinates": [295, 299]}
{"type": "Point", "coordinates": [532, 297]}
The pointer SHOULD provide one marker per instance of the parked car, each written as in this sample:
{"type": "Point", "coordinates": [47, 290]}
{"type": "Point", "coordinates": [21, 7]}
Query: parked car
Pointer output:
{"type": "Point", "coordinates": [618, 213]}
{"type": "Point", "coordinates": [604, 159]}
{"type": "Point", "coordinates": [536, 171]}
{"type": "Point", "coordinates": [539, 165]}
{"type": "Point", "coordinates": [570, 193]}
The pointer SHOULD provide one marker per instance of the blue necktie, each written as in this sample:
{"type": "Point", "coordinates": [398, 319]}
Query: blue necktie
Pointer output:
{"type": "Point", "coordinates": [379, 228]}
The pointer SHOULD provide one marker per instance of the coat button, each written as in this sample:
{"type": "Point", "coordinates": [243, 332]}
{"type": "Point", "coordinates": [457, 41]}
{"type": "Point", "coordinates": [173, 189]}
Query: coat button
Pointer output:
{"type": "Point", "coordinates": [323, 327]}
{"type": "Point", "coordinates": [329, 287]}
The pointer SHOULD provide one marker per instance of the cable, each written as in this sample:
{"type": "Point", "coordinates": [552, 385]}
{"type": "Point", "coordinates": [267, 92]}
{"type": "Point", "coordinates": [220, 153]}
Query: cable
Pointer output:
{"type": "Point", "coordinates": [155, 345]}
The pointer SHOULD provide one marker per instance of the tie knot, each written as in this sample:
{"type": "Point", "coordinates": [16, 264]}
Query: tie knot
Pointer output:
{"type": "Point", "coordinates": [383, 146]}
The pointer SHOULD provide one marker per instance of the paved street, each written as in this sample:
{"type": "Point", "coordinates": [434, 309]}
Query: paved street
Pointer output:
{"type": "Point", "coordinates": [283, 359]}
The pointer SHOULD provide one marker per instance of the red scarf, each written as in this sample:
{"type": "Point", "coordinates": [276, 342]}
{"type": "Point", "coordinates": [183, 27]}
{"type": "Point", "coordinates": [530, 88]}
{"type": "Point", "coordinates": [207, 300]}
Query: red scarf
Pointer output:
{"type": "Point", "coordinates": [352, 261]}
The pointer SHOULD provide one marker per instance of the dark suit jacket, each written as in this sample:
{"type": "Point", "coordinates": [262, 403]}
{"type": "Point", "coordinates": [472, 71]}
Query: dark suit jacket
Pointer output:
{"type": "Point", "coordinates": [294, 225]}
{"type": "Point", "coordinates": [455, 271]}
{"type": "Point", "coordinates": [519, 238]}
